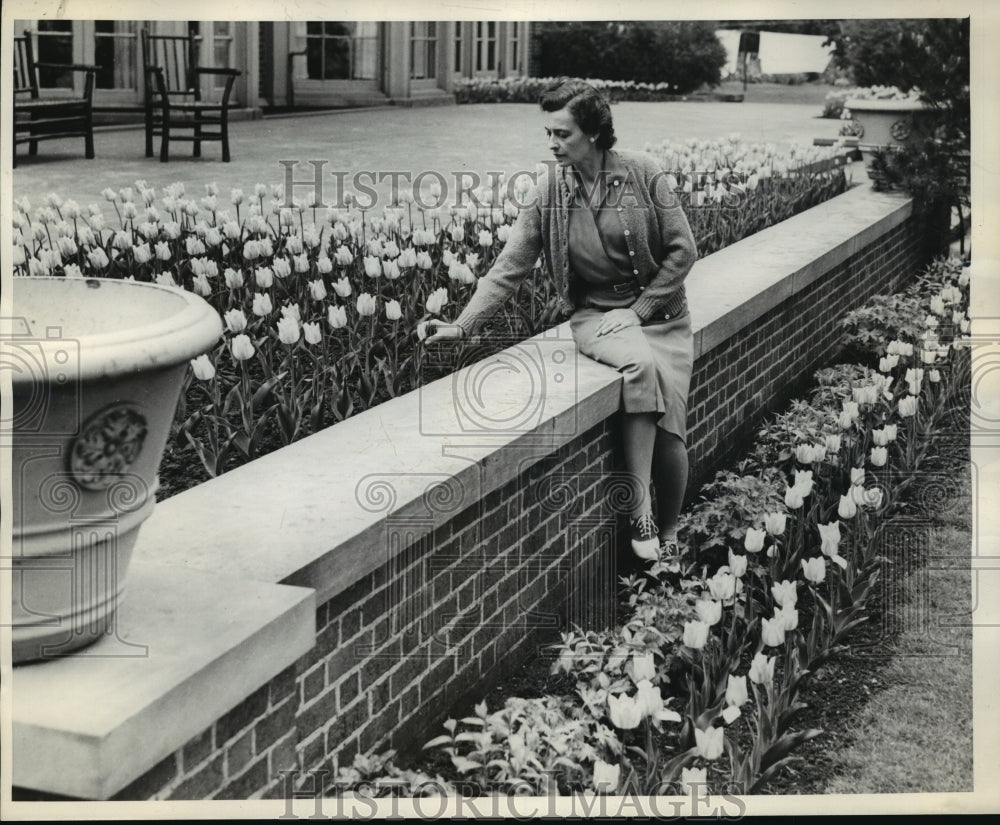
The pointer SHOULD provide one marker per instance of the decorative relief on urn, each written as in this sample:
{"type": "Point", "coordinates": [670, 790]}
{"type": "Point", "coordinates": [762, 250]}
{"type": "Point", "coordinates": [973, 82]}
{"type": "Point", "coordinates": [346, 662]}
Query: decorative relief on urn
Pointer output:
{"type": "Point", "coordinates": [110, 442]}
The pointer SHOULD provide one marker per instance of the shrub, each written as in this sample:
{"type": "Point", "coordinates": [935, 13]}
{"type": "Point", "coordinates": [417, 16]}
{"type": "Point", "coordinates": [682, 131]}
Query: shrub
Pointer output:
{"type": "Point", "coordinates": [685, 55]}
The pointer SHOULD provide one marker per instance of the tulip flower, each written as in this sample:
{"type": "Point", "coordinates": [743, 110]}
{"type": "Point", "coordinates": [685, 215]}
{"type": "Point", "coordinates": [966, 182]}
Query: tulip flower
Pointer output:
{"type": "Point", "coordinates": [736, 690]}
{"type": "Point", "coordinates": [264, 277]}
{"type": "Point", "coordinates": [832, 444]}
{"type": "Point", "coordinates": [814, 569]}
{"type": "Point", "coordinates": [829, 537]}
{"type": "Point", "coordinates": [695, 634]}
{"type": "Point", "coordinates": [803, 482]}
{"type": "Point", "coordinates": [262, 304]}
{"type": "Point", "coordinates": [709, 742]}
{"type": "Point", "coordinates": [785, 593]}
{"type": "Point", "coordinates": [753, 542]}
{"type": "Point", "coordinates": [165, 279]}
{"type": "Point", "coordinates": [72, 271]}
{"type": "Point", "coordinates": [914, 377]}
{"type": "Point", "coordinates": [709, 611]}
{"type": "Point", "coordinates": [201, 286]}
{"type": "Point", "coordinates": [342, 255]}
{"type": "Point", "coordinates": [312, 333]}
{"type": "Point", "coordinates": [342, 287]}
{"type": "Point", "coordinates": [762, 669]}
{"type": "Point", "coordinates": [694, 781]}
{"type": "Point", "coordinates": [235, 320]}
{"type": "Point", "coordinates": [890, 431]}
{"type": "Point", "coordinates": [772, 632]}
{"type": "Point", "coordinates": [366, 304]}
{"type": "Point", "coordinates": [722, 585]}
{"type": "Point", "coordinates": [857, 475]}
{"type": "Point", "coordinates": [393, 311]}
{"type": "Point", "coordinates": [847, 508]}
{"type": "Point", "coordinates": [774, 523]}
{"type": "Point", "coordinates": [650, 702]}
{"type": "Point", "coordinates": [97, 257]}
{"type": "Point", "coordinates": [288, 330]}
{"type": "Point", "coordinates": [787, 617]}
{"type": "Point", "coordinates": [625, 712]}
{"type": "Point", "coordinates": [203, 368]}
{"type": "Point", "coordinates": [436, 301]}
{"type": "Point", "coordinates": [424, 260]}
{"type": "Point", "coordinates": [907, 406]}
{"type": "Point", "coordinates": [606, 777]}
{"type": "Point", "coordinates": [317, 290]}
{"type": "Point", "coordinates": [485, 238]}
{"type": "Point", "coordinates": [233, 277]}
{"type": "Point", "coordinates": [643, 666]}
{"type": "Point", "coordinates": [793, 498]}
{"type": "Point", "coordinates": [934, 376]}
{"type": "Point", "coordinates": [846, 420]}
{"type": "Point", "coordinates": [878, 456]}
{"type": "Point", "coordinates": [242, 347]}
{"type": "Point", "coordinates": [390, 269]}
{"type": "Point", "coordinates": [336, 317]}
{"type": "Point", "coordinates": [282, 269]}
{"type": "Point", "coordinates": [142, 253]}
{"type": "Point", "coordinates": [879, 438]}
{"type": "Point", "coordinates": [737, 564]}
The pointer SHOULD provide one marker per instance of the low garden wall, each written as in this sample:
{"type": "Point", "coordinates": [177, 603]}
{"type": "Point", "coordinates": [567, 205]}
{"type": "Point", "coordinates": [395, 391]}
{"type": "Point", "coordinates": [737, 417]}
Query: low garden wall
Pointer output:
{"type": "Point", "coordinates": [343, 594]}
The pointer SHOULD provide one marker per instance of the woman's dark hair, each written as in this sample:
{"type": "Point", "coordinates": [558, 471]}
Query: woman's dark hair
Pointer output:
{"type": "Point", "coordinates": [588, 107]}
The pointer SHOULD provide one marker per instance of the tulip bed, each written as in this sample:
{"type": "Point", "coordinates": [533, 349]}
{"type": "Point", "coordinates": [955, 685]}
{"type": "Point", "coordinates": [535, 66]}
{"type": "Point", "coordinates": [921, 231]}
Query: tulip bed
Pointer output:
{"type": "Point", "coordinates": [321, 309]}
{"type": "Point", "coordinates": [833, 105]}
{"type": "Point", "coordinates": [698, 690]}
{"type": "Point", "coordinates": [528, 90]}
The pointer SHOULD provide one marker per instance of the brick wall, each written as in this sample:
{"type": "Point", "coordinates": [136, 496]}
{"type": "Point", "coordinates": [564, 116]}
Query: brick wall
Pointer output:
{"type": "Point", "coordinates": [462, 606]}
{"type": "Point", "coordinates": [446, 619]}
{"type": "Point", "coordinates": [737, 383]}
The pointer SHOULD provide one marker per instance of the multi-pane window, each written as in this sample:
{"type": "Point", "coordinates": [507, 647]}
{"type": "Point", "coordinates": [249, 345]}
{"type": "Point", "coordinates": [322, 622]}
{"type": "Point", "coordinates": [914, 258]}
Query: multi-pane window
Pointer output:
{"type": "Point", "coordinates": [515, 47]}
{"type": "Point", "coordinates": [423, 50]}
{"type": "Point", "coordinates": [341, 50]}
{"type": "Point", "coordinates": [222, 49]}
{"type": "Point", "coordinates": [486, 46]}
{"type": "Point", "coordinates": [459, 29]}
{"type": "Point", "coordinates": [54, 44]}
{"type": "Point", "coordinates": [115, 53]}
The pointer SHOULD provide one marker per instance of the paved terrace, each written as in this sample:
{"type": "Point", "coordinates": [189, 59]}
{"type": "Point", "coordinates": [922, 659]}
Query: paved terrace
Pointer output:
{"type": "Point", "coordinates": [478, 138]}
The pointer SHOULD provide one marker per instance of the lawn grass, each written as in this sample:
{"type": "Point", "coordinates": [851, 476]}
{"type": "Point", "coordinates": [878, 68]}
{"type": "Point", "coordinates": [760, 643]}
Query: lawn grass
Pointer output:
{"type": "Point", "coordinates": [811, 93]}
{"type": "Point", "coordinates": [915, 733]}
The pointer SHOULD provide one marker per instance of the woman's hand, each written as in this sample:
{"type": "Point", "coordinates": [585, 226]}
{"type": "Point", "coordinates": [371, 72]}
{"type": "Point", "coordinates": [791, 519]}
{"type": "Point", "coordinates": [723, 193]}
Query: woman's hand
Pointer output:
{"type": "Point", "coordinates": [435, 331]}
{"type": "Point", "coordinates": [617, 319]}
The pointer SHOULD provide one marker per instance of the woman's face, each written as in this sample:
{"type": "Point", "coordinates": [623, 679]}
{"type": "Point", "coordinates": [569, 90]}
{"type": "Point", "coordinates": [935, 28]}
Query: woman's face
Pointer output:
{"type": "Point", "coordinates": [567, 142]}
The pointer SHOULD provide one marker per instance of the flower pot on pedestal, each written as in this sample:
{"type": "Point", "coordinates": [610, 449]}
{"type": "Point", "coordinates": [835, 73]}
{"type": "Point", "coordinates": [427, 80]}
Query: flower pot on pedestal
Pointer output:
{"type": "Point", "coordinates": [96, 369]}
{"type": "Point", "coordinates": [881, 124]}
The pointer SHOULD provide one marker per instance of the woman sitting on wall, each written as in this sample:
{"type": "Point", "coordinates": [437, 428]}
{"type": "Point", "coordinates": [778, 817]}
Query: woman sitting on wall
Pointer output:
{"type": "Point", "coordinates": [618, 247]}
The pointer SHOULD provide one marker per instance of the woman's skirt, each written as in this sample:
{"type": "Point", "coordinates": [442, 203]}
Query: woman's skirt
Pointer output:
{"type": "Point", "coordinates": [655, 360]}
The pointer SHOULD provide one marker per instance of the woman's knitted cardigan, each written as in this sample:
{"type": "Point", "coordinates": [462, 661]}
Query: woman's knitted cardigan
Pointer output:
{"type": "Point", "coordinates": [659, 240]}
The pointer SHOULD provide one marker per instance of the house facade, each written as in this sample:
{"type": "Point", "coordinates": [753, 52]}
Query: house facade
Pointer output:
{"type": "Point", "coordinates": [293, 64]}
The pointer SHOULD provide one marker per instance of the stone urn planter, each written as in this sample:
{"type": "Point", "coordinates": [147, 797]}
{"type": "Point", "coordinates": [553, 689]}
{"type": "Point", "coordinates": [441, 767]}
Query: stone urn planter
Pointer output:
{"type": "Point", "coordinates": [879, 124]}
{"type": "Point", "coordinates": [96, 369]}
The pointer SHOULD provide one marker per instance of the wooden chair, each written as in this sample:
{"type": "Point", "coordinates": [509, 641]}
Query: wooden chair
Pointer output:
{"type": "Point", "coordinates": [47, 118]}
{"type": "Point", "coordinates": [172, 80]}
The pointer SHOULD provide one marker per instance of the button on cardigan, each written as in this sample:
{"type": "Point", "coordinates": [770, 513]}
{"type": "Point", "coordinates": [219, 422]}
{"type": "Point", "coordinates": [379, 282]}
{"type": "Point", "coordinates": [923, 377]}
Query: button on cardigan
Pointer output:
{"type": "Point", "coordinates": [659, 239]}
